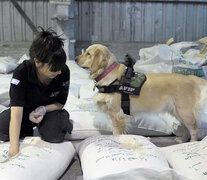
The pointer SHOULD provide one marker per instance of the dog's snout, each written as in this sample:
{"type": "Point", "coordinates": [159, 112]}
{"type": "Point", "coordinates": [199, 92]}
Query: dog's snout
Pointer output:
{"type": "Point", "coordinates": [76, 59]}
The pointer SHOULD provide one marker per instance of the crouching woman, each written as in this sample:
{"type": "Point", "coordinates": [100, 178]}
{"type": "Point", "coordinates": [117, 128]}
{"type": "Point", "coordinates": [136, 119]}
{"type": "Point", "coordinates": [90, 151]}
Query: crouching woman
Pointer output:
{"type": "Point", "coordinates": [38, 91]}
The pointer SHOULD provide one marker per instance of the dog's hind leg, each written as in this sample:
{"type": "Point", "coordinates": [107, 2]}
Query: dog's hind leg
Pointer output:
{"type": "Point", "coordinates": [185, 136]}
{"type": "Point", "coordinates": [187, 117]}
{"type": "Point", "coordinates": [193, 132]}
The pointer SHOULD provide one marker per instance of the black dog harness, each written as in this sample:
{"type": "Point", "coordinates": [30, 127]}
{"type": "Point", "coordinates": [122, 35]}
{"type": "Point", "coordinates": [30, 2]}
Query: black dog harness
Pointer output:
{"type": "Point", "coordinates": [130, 84]}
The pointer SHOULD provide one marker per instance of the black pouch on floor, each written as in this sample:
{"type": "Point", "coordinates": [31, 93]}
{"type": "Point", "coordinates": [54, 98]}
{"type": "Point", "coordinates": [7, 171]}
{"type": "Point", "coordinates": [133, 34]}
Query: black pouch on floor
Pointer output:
{"type": "Point", "coordinates": [54, 126]}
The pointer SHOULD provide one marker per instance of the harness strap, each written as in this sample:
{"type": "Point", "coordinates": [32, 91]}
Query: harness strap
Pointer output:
{"type": "Point", "coordinates": [126, 88]}
{"type": "Point", "coordinates": [107, 89]}
{"type": "Point", "coordinates": [125, 103]}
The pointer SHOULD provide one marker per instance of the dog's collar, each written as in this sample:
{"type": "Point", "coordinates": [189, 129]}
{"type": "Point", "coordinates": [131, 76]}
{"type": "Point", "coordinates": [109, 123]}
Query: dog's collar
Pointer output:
{"type": "Point", "coordinates": [106, 71]}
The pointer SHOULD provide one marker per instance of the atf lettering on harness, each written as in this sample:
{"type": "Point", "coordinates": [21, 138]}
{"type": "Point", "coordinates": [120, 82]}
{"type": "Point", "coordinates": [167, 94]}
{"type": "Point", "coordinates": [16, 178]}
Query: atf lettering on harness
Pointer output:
{"type": "Point", "coordinates": [123, 89]}
{"type": "Point", "coordinates": [126, 89]}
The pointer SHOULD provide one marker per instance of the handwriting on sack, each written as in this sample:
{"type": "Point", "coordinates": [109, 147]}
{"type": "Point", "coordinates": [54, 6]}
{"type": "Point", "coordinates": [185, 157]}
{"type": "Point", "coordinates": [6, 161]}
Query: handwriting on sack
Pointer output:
{"type": "Point", "coordinates": [196, 156]}
{"type": "Point", "coordinates": [117, 149]}
{"type": "Point", "coordinates": [28, 153]}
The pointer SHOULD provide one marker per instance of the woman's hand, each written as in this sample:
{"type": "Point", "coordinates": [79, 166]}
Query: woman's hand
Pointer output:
{"type": "Point", "coordinates": [13, 150]}
{"type": "Point", "coordinates": [37, 115]}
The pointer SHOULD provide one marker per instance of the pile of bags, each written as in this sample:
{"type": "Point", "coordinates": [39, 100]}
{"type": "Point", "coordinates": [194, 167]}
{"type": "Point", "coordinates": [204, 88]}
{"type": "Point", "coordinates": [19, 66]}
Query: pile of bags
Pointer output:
{"type": "Point", "coordinates": [187, 58]}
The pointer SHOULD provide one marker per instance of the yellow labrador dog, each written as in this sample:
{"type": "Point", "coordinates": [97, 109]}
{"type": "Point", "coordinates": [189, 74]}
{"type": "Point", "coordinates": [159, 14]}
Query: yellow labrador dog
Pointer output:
{"type": "Point", "coordinates": [180, 95]}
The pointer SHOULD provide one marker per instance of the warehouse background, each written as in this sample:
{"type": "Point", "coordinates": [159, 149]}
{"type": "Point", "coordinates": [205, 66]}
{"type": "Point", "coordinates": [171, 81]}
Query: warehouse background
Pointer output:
{"type": "Point", "coordinates": [120, 24]}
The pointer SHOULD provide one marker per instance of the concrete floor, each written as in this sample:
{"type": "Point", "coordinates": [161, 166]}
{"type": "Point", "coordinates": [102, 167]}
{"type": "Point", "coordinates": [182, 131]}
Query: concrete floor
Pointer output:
{"type": "Point", "coordinates": [18, 49]}
{"type": "Point", "coordinates": [14, 49]}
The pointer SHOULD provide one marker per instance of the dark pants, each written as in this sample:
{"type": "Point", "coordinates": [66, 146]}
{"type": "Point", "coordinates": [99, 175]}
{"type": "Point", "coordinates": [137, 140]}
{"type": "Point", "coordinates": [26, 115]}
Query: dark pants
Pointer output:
{"type": "Point", "coordinates": [52, 128]}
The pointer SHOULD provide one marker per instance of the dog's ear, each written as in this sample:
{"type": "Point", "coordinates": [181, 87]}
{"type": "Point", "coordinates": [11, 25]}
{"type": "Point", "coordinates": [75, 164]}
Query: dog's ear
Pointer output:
{"type": "Point", "coordinates": [99, 63]}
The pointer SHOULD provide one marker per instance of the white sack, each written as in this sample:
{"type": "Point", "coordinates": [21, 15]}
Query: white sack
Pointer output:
{"type": "Point", "coordinates": [123, 157]}
{"type": "Point", "coordinates": [37, 160]}
{"type": "Point", "coordinates": [7, 64]}
{"type": "Point", "coordinates": [188, 158]}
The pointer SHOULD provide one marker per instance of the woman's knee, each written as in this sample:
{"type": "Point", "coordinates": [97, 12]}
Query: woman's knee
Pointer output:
{"type": "Point", "coordinates": [55, 125]}
{"type": "Point", "coordinates": [4, 125]}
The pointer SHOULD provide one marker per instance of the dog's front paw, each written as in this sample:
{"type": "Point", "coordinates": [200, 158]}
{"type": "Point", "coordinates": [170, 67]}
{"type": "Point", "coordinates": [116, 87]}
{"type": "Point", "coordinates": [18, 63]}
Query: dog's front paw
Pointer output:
{"type": "Point", "coordinates": [117, 131]}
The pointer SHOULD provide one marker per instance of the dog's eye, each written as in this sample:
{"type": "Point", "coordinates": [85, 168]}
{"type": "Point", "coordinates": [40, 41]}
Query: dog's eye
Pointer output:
{"type": "Point", "coordinates": [88, 53]}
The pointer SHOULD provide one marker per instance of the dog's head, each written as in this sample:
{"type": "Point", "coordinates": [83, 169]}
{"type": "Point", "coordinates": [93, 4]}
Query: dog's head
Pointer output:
{"type": "Point", "coordinates": [95, 59]}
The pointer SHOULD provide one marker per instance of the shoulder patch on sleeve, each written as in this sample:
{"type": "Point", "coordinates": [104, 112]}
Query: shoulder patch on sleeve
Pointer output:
{"type": "Point", "coordinates": [15, 81]}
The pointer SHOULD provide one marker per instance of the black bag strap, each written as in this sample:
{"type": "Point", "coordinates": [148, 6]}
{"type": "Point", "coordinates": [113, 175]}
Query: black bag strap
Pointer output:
{"type": "Point", "coordinates": [125, 103]}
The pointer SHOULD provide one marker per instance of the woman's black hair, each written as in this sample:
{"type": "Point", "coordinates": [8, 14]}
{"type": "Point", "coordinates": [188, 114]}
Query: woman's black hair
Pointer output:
{"type": "Point", "coordinates": [47, 47]}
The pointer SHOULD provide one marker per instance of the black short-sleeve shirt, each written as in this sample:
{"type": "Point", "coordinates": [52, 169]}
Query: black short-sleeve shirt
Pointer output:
{"type": "Point", "coordinates": [27, 91]}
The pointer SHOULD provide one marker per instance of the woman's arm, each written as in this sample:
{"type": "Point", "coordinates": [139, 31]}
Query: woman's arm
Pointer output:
{"type": "Point", "coordinates": [14, 129]}
{"type": "Point", "coordinates": [53, 107]}
{"type": "Point", "coordinates": [37, 115]}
